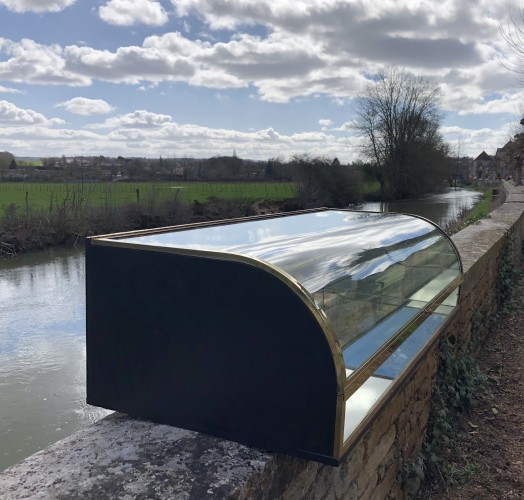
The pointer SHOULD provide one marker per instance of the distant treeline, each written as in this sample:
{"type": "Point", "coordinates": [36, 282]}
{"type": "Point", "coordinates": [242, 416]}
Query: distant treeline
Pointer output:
{"type": "Point", "coordinates": [96, 168]}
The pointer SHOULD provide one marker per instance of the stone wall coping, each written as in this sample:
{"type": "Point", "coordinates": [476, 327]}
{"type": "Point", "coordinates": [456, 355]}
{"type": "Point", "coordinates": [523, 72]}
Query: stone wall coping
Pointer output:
{"type": "Point", "coordinates": [121, 457]}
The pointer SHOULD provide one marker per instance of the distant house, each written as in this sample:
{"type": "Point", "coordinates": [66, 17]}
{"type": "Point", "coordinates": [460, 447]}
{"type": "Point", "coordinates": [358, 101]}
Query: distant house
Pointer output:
{"type": "Point", "coordinates": [484, 166]}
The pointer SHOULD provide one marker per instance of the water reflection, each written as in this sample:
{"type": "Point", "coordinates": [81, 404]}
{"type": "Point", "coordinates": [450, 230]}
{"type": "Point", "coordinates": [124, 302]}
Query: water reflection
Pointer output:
{"type": "Point", "coordinates": [42, 352]}
{"type": "Point", "coordinates": [438, 207]}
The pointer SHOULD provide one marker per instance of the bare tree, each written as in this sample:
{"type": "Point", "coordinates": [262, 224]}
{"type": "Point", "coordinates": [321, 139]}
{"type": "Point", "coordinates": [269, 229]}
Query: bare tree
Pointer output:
{"type": "Point", "coordinates": [513, 34]}
{"type": "Point", "coordinates": [399, 116]}
{"type": "Point", "coordinates": [322, 182]}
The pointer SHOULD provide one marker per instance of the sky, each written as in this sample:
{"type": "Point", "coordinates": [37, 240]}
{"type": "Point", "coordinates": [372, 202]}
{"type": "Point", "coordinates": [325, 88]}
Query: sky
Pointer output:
{"type": "Point", "coordinates": [262, 78]}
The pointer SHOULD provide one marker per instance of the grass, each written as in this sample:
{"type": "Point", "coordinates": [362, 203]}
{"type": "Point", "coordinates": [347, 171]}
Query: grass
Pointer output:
{"type": "Point", "coordinates": [44, 196]}
{"type": "Point", "coordinates": [481, 210]}
{"type": "Point", "coordinates": [483, 207]}
{"type": "Point", "coordinates": [29, 163]}
{"type": "Point", "coordinates": [370, 187]}
{"type": "Point", "coordinates": [458, 475]}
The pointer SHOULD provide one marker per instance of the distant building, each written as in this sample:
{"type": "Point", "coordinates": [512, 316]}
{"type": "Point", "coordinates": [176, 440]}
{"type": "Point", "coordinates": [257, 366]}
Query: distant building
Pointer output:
{"type": "Point", "coordinates": [505, 158]}
{"type": "Point", "coordinates": [485, 167]}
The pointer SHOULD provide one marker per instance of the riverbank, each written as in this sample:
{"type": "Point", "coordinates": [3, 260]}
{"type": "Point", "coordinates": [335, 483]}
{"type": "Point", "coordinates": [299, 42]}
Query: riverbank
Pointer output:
{"type": "Point", "coordinates": [71, 223]}
{"type": "Point", "coordinates": [487, 458]}
{"type": "Point", "coordinates": [68, 220]}
{"type": "Point", "coordinates": [492, 198]}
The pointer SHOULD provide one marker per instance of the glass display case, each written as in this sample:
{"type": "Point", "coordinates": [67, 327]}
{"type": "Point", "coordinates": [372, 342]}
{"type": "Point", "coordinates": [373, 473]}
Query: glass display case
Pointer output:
{"type": "Point", "coordinates": [287, 332]}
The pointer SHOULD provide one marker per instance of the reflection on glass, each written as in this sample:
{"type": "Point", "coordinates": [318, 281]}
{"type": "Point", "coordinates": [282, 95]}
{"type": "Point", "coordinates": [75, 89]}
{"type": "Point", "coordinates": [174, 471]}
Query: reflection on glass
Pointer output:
{"type": "Point", "coordinates": [361, 268]}
{"type": "Point", "coordinates": [359, 404]}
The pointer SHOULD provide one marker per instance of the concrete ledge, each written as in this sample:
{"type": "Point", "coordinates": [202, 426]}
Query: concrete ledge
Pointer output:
{"type": "Point", "coordinates": [119, 457]}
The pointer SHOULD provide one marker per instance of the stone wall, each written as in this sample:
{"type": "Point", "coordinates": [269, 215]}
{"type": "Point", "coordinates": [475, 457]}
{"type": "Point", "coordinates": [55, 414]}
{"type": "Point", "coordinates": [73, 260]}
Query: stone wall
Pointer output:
{"type": "Point", "coordinates": [123, 458]}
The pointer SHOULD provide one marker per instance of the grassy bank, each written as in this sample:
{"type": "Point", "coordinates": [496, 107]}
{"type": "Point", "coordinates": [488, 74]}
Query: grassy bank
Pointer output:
{"type": "Point", "coordinates": [35, 216]}
{"type": "Point", "coordinates": [481, 210]}
{"type": "Point", "coordinates": [44, 196]}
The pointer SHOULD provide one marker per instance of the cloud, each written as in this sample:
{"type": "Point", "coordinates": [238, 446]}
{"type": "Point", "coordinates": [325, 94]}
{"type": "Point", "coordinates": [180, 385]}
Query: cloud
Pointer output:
{"type": "Point", "coordinates": [136, 64]}
{"type": "Point", "coordinates": [36, 5]}
{"type": "Point", "coordinates": [277, 51]}
{"type": "Point", "coordinates": [12, 115]}
{"type": "Point", "coordinates": [86, 107]}
{"type": "Point", "coordinates": [507, 103]}
{"type": "Point", "coordinates": [305, 48]}
{"type": "Point", "coordinates": [144, 133]}
{"type": "Point", "coordinates": [7, 90]}
{"type": "Point", "coordinates": [137, 119]}
{"type": "Point", "coordinates": [30, 62]}
{"type": "Point", "coordinates": [346, 126]}
{"type": "Point", "coordinates": [473, 141]}
{"type": "Point", "coordinates": [130, 12]}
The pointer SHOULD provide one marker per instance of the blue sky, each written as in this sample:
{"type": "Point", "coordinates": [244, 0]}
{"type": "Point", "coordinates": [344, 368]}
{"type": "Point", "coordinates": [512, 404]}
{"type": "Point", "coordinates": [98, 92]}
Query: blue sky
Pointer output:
{"type": "Point", "coordinates": [199, 78]}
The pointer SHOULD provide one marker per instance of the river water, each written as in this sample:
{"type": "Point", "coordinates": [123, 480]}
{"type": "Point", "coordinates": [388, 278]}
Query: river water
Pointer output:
{"type": "Point", "coordinates": [42, 338]}
{"type": "Point", "coordinates": [440, 207]}
{"type": "Point", "coordinates": [42, 352]}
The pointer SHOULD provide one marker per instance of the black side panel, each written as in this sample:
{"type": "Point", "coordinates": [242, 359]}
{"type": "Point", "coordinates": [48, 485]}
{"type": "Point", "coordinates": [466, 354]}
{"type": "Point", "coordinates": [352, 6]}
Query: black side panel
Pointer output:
{"type": "Point", "coordinates": [216, 346]}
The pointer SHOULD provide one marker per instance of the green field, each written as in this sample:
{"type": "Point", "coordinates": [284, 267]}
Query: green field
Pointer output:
{"type": "Point", "coordinates": [369, 187]}
{"type": "Point", "coordinates": [45, 196]}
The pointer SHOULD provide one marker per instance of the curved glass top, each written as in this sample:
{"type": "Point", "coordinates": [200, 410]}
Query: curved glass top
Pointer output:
{"type": "Point", "coordinates": [358, 267]}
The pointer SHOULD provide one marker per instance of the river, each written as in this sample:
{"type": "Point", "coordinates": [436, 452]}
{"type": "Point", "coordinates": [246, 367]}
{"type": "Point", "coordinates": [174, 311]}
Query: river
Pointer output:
{"type": "Point", "coordinates": [439, 208]}
{"type": "Point", "coordinates": [42, 338]}
{"type": "Point", "coordinates": [42, 352]}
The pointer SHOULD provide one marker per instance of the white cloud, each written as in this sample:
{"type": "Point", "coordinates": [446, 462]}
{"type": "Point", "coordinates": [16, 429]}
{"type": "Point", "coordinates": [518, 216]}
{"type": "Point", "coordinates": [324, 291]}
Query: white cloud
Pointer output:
{"type": "Point", "coordinates": [473, 141]}
{"type": "Point", "coordinates": [346, 126]}
{"type": "Point", "coordinates": [36, 5]}
{"type": "Point", "coordinates": [30, 62]}
{"type": "Point", "coordinates": [507, 103]}
{"type": "Point", "coordinates": [86, 107]}
{"type": "Point", "coordinates": [130, 12]}
{"type": "Point", "coordinates": [8, 90]}
{"type": "Point", "coordinates": [300, 49]}
{"type": "Point", "coordinates": [325, 123]}
{"type": "Point", "coordinates": [308, 48]}
{"type": "Point", "coordinates": [13, 115]}
{"type": "Point", "coordinates": [145, 133]}
{"type": "Point", "coordinates": [138, 119]}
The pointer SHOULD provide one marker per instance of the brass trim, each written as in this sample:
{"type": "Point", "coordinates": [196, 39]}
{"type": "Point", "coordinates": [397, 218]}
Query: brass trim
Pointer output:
{"type": "Point", "coordinates": [339, 426]}
{"type": "Point", "coordinates": [366, 370]}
